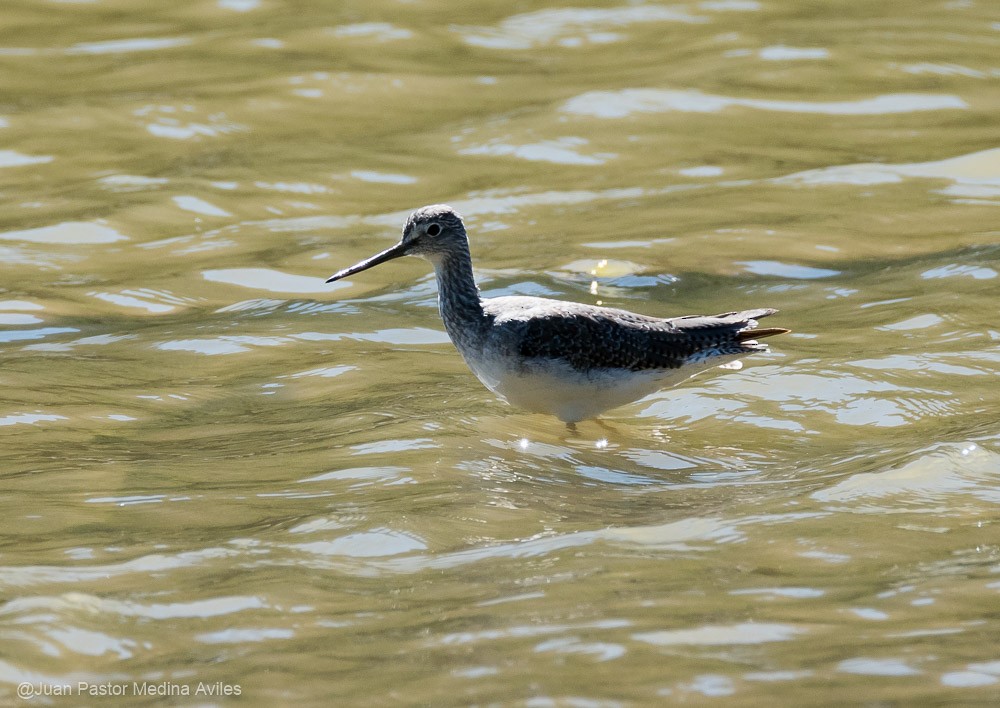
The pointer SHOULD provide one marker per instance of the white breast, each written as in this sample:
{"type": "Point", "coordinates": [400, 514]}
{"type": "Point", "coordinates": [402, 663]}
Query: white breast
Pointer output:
{"type": "Point", "coordinates": [553, 387]}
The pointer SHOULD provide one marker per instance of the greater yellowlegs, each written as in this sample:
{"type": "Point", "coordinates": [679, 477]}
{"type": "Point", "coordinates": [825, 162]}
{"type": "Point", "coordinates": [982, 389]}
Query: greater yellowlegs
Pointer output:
{"type": "Point", "coordinates": [567, 359]}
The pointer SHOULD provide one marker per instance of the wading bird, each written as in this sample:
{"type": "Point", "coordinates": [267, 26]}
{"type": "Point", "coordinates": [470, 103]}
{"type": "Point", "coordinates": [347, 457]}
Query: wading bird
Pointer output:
{"type": "Point", "coordinates": [570, 360]}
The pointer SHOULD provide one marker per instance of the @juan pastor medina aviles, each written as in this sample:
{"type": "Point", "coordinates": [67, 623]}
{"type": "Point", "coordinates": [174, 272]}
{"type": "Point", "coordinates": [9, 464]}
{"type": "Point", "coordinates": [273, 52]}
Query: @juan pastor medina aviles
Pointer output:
{"type": "Point", "coordinates": [134, 688]}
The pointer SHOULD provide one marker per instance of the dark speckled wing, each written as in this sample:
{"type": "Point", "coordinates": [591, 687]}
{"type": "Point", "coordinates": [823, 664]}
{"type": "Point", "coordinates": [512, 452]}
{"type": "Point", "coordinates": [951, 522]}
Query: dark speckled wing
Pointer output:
{"type": "Point", "coordinates": [596, 337]}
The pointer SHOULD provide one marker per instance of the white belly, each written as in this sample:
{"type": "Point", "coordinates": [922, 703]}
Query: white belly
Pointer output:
{"type": "Point", "coordinates": [555, 388]}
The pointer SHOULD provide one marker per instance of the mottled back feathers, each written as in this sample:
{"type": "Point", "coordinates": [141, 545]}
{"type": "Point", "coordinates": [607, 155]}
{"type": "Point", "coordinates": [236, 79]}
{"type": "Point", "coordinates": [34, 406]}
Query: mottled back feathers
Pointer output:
{"type": "Point", "coordinates": [589, 337]}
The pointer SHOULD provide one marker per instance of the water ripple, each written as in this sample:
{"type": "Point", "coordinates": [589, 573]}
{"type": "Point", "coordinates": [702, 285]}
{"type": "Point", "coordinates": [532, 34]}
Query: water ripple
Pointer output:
{"type": "Point", "coordinates": [270, 280]}
{"type": "Point", "coordinates": [13, 158]}
{"type": "Point", "coordinates": [943, 472]}
{"type": "Point", "coordinates": [124, 46]}
{"type": "Point", "coordinates": [561, 151]}
{"type": "Point", "coordinates": [715, 635]}
{"type": "Point", "coordinates": [73, 602]}
{"type": "Point", "coordinates": [976, 174]}
{"type": "Point", "coordinates": [570, 27]}
{"type": "Point", "coordinates": [625, 102]}
{"type": "Point", "coordinates": [378, 31]}
{"type": "Point", "coordinates": [69, 232]}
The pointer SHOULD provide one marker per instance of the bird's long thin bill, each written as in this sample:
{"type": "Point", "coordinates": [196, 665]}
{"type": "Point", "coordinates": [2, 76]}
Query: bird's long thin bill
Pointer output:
{"type": "Point", "coordinates": [386, 255]}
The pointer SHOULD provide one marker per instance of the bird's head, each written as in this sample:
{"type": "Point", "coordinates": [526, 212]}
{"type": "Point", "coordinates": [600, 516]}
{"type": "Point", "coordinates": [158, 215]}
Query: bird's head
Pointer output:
{"type": "Point", "coordinates": [431, 232]}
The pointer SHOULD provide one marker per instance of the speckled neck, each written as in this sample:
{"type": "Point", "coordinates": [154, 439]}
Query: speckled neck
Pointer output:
{"type": "Point", "coordinates": [458, 300]}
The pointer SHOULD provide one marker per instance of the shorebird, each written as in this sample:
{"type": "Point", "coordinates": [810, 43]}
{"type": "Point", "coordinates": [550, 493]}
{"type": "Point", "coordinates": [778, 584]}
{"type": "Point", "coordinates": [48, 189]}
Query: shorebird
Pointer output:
{"type": "Point", "coordinates": [570, 360]}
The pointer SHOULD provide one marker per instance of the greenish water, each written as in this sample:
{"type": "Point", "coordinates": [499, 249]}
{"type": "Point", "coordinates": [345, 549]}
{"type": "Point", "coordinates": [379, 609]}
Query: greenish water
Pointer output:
{"type": "Point", "coordinates": [220, 472]}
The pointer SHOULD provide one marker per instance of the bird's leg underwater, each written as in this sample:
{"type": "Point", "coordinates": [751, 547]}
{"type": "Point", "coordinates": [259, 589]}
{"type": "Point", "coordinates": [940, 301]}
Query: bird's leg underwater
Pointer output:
{"type": "Point", "coordinates": [608, 428]}
{"type": "Point", "coordinates": [600, 422]}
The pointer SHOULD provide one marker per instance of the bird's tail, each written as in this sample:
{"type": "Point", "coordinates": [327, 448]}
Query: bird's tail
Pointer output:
{"type": "Point", "coordinates": [760, 333]}
{"type": "Point", "coordinates": [749, 336]}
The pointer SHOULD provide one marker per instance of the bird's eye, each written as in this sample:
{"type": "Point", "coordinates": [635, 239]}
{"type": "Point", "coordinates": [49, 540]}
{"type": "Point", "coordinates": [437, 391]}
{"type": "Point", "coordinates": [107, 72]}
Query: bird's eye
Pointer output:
{"type": "Point", "coordinates": [433, 230]}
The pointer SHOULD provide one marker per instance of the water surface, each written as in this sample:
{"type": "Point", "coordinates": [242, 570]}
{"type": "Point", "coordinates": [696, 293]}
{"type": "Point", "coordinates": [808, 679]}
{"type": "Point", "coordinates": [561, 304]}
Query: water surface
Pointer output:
{"type": "Point", "coordinates": [219, 470]}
